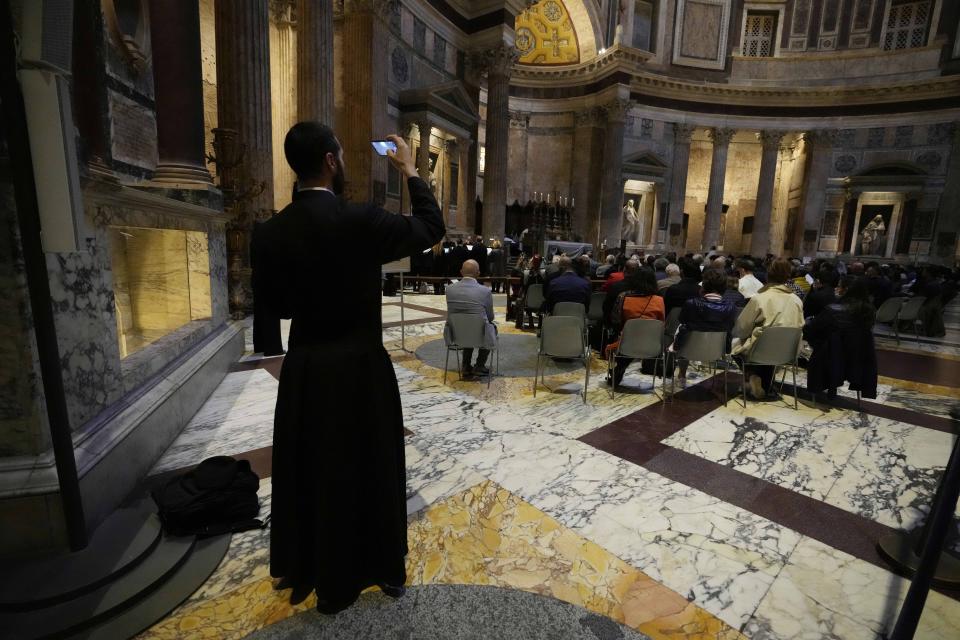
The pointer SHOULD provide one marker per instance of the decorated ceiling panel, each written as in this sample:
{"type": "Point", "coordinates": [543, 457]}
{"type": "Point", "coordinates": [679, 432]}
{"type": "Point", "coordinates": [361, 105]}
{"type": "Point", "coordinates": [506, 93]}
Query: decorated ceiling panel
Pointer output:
{"type": "Point", "coordinates": [545, 35]}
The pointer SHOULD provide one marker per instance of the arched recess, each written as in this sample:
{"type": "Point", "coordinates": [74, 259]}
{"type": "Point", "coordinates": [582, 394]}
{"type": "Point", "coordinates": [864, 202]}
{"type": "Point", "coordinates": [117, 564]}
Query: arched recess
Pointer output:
{"type": "Point", "coordinates": [585, 15]}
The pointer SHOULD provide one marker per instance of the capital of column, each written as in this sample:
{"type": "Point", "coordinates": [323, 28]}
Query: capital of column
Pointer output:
{"type": "Point", "coordinates": [822, 137]}
{"type": "Point", "coordinates": [592, 117]}
{"type": "Point", "coordinates": [617, 110]}
{"type": "Point", "coordinates": [284, 12]}
{"type": "Point", "coordinates": [519, 119]}
{"type": "Point", "coordinates": [721, 135]}
{"type": "Point", "coordinates": [770, 138]}
{"type": "Point", "coordinates": [682, 132]}
{"type": "Point", "coordinates": [451, 146]}
{"type": "Point", "coordinates": [496, 62]}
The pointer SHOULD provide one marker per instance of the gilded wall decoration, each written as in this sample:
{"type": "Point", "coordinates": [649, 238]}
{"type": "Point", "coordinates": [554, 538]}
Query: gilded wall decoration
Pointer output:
{"type": "Point", "coordinates": [545, 35]}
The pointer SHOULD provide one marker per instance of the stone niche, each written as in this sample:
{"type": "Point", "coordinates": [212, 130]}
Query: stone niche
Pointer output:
{"type": "Point", "coordinates": [161, 282]}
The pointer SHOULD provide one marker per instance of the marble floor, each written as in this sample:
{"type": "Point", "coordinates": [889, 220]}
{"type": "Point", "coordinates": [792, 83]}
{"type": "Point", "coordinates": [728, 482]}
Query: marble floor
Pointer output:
{"type": "Point", "coordinates": [679, 519]}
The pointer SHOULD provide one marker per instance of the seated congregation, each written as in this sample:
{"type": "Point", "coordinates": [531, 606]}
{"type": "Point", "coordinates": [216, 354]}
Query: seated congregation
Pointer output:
{"type": "Point", "coordinates": [754, 315]}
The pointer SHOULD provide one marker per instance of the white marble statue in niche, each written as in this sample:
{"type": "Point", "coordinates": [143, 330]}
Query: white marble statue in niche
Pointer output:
{"type": "Point", "coordinates": [873, 236]}
{"type": "Point", "coordinates": [632, 222]}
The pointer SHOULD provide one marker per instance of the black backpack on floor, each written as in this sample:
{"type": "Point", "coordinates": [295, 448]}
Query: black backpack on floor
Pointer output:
{"type": "Point", "coordinates": [219, 496]}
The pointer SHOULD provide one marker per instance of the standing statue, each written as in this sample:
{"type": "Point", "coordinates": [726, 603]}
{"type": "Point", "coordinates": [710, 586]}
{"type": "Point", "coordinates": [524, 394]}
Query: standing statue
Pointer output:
{"type": "Point", "coordinates": [632, 219]}
{"type": "Point", "coordinates": [873, 236]}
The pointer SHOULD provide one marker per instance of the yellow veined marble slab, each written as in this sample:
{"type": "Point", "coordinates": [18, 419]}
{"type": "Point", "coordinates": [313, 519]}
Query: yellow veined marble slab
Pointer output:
{"type": "Point", "coordinates": [485, 536]}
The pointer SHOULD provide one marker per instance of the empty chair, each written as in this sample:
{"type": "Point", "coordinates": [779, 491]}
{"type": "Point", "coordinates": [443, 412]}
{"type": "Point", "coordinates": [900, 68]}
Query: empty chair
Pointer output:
{"type": "Point", "coordinates": [910, 312]}
{"type": "Point", "coordinates": [888, 312]}
{"type": "Point", "coordinates": [705, 346]}
{"type": "Point", "coordinates": [595, 316]}
{"type": "Point", "coordinates": [468, 331]}
{"type": "Point", "coordinates": [776, 347]}
{"type": "Point", "coordinates": [641, 339]}
{"type": "Point", "coordinates": [562, 337]}
{"type": "Point", "coordinates": [533, 301]}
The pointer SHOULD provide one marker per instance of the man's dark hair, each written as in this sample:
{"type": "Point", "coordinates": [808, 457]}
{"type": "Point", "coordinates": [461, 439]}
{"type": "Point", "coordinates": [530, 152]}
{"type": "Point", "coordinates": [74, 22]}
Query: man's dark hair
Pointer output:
{"type": "Point", "coordinates": [714, 281]}
{"type": "Point", "coordinates": [689, 268]}
{"type": "Point", "coordinates": [746, 264]}
{"type": "Point", "coordinates": [827, 277]}
{"type": "Point", "coordinates": [306, 147]}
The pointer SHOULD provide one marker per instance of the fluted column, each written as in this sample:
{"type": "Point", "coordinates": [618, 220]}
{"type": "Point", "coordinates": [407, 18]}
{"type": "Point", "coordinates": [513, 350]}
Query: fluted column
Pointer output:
{"type": "Point", "coordinates": [718, 171]}
{"type": "Point", "coordinates": [678, 184]}
{"type": "Point", "coordinates": [178, 91]}
{"type": "Point", "coordinates": [944, 249]}
{"type": "Point", "coordinates": [423, 150]}
{"type": "Point", "coordinates": [315, 61]}
{"type": "Point", "coordinates": [814, 188]}
{"type": "Point", "coordinates": [497, 63]}
{"type": "Point", "coordinates": [611, 202]}
{"type": "Point", "coordinates": [243, 95]}
{"type": "Point", "coordinates": [760, 241]}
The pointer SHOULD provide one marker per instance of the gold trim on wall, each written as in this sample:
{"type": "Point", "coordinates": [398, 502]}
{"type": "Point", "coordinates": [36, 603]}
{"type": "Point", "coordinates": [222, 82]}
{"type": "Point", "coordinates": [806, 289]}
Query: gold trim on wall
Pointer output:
{"type": "Point", "coordinates": [545, 35]}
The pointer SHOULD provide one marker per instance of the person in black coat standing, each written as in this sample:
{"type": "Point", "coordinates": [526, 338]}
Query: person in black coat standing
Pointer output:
{"type": "Point", "coordinates": [339, 513]}
{"type": "Point", "coordinates": [841, 336]}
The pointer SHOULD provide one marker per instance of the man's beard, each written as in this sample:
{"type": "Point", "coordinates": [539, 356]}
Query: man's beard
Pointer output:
{"type": "Point", "coordinates": [339, 180]}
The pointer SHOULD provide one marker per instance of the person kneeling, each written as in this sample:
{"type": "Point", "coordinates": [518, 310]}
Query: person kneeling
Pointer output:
{"type": "Point", "coordinates": [470, 297]}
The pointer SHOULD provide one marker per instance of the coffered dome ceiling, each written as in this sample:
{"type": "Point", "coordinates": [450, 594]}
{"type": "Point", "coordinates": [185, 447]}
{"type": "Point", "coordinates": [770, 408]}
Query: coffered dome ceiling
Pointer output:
{"type": "Point", "coordinates": [545, 35]}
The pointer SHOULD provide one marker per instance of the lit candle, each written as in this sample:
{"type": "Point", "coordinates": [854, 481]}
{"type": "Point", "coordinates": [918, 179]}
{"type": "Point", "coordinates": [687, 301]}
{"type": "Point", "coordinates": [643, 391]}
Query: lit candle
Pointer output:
{"type": "Point", "coordinates": [548, 198]}
{"type": "Point", "coordinates": [573, 202]}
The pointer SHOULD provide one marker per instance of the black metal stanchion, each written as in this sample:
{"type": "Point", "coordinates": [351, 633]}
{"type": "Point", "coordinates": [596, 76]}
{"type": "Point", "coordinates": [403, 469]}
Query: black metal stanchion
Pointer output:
{"type": "Point", "coordinates": [938, 524]}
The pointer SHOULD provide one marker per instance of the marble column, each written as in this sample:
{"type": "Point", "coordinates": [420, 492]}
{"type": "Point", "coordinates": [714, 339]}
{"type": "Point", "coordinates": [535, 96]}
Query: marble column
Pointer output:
{"type": "Point", "coordinates": [611, 203]}
{"type": "Point", "coordinates": [178, 91]}
{"type": "Point", "coordinates": [497, 63]}
{"type": "Point", "coordinates": [585, 172]}
{"type": "Point", "coordinates": [463, 186]}
{"type": "Point", "coordinates": [449, 151]}
{"type": "Point", "coordinates": [760, 240]}
{"type": "Point", "coordinates": [243, 96]}
{"type": "Point", "coordinates": [315, 61]}
{"type": "Point", "coordinates": [718, 172]}
{"type": "Point", "coordinates": [815, 189]}
{"type": "Point", "coordinates": [944, 249]}
{"type": "Point", "coordinates": [678, 184]}
{"type": "Point", "coordinates": [423, 150]}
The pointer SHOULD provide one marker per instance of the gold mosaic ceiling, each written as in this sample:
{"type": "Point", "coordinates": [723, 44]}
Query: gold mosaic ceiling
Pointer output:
{"type": "Point", "coordinates": [545, 35]}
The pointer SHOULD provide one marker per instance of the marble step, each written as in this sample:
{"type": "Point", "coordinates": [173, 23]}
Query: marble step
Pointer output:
{"type": "Point", "coordinates": [118, 545]}
{"type": "Point", "coordinates": [152, 607]}
{"type": "Point", "coordinates": [97, 605]}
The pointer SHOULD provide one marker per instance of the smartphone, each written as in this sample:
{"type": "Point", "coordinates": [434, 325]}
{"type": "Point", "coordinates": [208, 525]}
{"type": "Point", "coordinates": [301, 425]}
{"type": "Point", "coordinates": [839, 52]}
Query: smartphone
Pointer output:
{"type": "Point", "coordinates": [382, 146]}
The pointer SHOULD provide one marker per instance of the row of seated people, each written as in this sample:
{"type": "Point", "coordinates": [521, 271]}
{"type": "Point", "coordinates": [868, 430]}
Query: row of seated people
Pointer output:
{"type": "Point", "coordinates": [712, 300]}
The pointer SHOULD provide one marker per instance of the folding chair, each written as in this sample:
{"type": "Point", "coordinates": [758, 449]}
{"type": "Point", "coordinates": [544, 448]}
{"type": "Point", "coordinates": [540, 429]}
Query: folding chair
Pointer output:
{"type": "Point", "coordinates": [468, 332]}
{"type": "Point", "coordinates": [888, 312]}
{"type": "Point", "coordinates": [776, 347]}
{"type": "Point", "coordinates": [641, 339]}
{"type": "Point", "coordinates": [705, 346]}
{"type": "Point", "coordinates": [910, 312]}
{"type": "Point", "coordinates": [562, 337]}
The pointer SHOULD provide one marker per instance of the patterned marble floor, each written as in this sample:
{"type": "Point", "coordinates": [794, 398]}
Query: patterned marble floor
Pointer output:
{"type": "Point", "coordinates": [684, 519]}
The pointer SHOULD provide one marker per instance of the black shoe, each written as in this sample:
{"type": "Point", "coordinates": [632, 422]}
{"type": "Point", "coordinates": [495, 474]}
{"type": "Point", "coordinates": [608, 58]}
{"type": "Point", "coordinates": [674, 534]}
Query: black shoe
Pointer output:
{"type": "Point", "coordinates": [332, 608]}
{"type": "Point", "coordinates": [299, 594]}
{"type": "Point", "coordinates": [392, 591]}
{"type": "Point", "coordinates": [283, 584]}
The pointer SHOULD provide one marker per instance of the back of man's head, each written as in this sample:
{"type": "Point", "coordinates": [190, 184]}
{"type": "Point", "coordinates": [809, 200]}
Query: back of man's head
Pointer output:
{"type": "Point", "coordinates": [632, 266]}
{"type": "Point", "coordinates": [689, 268]}
{"type": "Point", "coordinates": [565, 263]}
{"type": "Point", "coordinates": [470, 269]}
{"type": "Point", "coordinates": [672, 270]}
{"type": "Point", "coordinates": [306, 147]}
{"type": "Point", "coordinates": [660, 264]}
{"type": "Point", "coordinates": [720, 263]}
{"type": "Point", "coordinates": [611, 259]}
{"type": "Point", "coordinates": [745, 265]}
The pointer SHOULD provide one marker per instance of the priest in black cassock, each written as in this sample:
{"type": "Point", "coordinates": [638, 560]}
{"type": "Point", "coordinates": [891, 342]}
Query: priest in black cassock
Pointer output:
{"type": "Point", "coordinates": [339, 479]}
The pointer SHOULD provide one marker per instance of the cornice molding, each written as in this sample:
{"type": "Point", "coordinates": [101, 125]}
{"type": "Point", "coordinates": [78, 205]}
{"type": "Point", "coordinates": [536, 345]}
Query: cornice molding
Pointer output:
{"type": "Point", "coordinates": [615, 59]}
{"type": "Point", "coordinates": [926, 89]}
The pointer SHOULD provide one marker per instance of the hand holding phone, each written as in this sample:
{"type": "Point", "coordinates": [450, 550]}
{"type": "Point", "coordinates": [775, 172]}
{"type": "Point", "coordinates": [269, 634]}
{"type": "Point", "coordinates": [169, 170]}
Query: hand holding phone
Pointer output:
{"type": "Point", "coordinates": [383, 146]}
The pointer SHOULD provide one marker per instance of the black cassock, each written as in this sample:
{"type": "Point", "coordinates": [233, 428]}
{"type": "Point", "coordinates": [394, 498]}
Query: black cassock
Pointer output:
{"type": "Point", "coordinates": [339, 477]}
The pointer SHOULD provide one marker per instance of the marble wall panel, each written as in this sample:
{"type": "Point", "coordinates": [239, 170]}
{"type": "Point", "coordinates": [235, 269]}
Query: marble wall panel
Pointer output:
{"type": "Point", "coordinates": [133, 131]}
{"type": "Point", "coordinates": [198, 273]}
{"type": "Point", "coordinates": [549, 155]}
{"type": "Point", "coordinates": [217, 247]}
{"type": "Point", "coordinates": [81, 290]}
{"type": "Point", "coordinates": [23, 424]}
{"type": "Point", "coordinates": [208, 58]}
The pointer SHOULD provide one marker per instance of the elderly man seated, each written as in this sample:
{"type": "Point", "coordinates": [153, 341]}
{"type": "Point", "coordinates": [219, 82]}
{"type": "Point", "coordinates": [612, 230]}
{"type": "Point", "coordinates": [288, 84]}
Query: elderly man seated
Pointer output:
{"type": "Point", "coordinates": [470, 297]}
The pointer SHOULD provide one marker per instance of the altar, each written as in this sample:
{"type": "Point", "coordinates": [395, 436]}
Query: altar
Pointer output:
{"type": "Point", "coordinates": [569, 248]}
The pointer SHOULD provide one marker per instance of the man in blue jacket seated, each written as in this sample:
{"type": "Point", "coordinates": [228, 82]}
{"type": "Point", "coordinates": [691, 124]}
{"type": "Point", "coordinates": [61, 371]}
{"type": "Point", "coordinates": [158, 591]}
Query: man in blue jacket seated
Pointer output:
{"type": "Point", "coordinates": [566, 287]}
{"type": "Point", "coordinates": [707, 312]}
{"type": "Point", "coordinates": [470, 297]}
